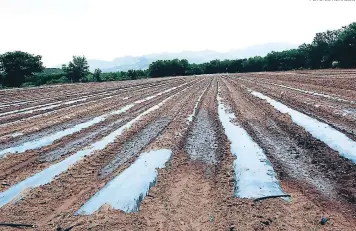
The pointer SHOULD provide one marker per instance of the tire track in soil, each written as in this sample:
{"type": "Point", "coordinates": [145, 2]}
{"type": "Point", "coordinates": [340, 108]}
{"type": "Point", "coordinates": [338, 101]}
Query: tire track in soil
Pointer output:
{"type": "Point", "coordinates": [82, 176]}
{"type": "Point", "coordinates": [17, 167]}
{"type": "Point", "coordinates": [305, 165]}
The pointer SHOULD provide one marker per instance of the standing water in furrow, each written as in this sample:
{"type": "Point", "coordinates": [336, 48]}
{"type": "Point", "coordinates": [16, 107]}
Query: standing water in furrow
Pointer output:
{"type": "Point", "coordinates": [254, 175]}
{"type": "Point", "coordinates": [322, 131]}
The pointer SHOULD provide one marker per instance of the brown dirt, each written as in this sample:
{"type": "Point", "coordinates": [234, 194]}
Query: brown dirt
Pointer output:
{"type": "Point", "coordinates": [195, 190]}
{"type": "Point", "coordinates": [338, 114]}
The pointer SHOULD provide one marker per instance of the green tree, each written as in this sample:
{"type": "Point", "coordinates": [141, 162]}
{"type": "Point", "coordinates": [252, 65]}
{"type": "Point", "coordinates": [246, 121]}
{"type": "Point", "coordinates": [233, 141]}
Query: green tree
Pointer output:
{"type": "Point", "coordinates": [16, 66]}
{"type": "Point", "coordinates": [156, 69]}
{"type": "Point", "coordinates": [97, 75]}
{"type": "Point", "coordinates": [234, 66]}
{"type": "Point", "coordinates": [254, 64]}
{"type": "Point", "coordinates": [345, 47]}
{"type": "Point", "coordinates": [77, 69]}
{"type": "Point", "coordinates": [194, 69]}
{"type": "Point", "coordinates": [132, 74]}
{"type": "Point", "coordinates": [173, 67]}
{"type": "Point", "coordinates": [321, 50]}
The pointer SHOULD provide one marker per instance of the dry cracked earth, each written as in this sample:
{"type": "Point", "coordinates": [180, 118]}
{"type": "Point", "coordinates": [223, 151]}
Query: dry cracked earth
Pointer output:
{"type": "Point", "coordinates": [170, 160]}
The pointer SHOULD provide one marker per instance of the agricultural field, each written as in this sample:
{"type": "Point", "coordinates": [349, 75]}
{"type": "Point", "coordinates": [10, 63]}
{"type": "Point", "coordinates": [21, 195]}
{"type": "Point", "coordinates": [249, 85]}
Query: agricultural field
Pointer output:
{"type": "Point", "coordinates": [254, 151]}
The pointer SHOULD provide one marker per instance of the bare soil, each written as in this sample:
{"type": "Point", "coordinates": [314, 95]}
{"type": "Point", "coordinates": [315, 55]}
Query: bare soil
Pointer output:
{"type": "Point", "coordinates": [195, 190]}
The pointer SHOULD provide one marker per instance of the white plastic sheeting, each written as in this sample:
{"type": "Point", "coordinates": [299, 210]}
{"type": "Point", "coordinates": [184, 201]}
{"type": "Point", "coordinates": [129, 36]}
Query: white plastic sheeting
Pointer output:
{"type": "Point", "coordinates": [254, 175]}
{"type": "Point", "coordinates": [48, 140]}
{"type": "Point", "coordinates": [127, 190]}
{"type": "Point", "coordinates": [48, 174]}
{"type": "Point", "coordinates": [322, 131]}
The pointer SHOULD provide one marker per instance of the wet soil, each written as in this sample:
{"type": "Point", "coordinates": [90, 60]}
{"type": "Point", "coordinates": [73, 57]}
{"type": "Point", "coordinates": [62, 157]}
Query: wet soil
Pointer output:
{"type": "Point", "coordinates": [195, 191]}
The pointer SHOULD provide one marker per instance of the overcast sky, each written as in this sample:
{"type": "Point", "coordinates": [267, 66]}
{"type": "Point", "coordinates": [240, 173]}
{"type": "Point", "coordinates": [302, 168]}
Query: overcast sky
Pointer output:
{"type": "Point", "coordinates": [105, 29]}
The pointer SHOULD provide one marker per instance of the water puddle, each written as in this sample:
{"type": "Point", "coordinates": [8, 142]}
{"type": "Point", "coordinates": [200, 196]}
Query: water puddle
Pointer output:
{"type": "Point", "coordinates": [254, 175]}
{"type": "Point", "coordinates": [48, 174]}
{"type": "Point", "coordinates": [322, 131]}
{"type": "Point", "coordinates": [127, 190]}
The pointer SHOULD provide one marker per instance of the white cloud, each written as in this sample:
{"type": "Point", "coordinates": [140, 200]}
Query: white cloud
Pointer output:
{"type": "Point", "coordinates": [104, 29]}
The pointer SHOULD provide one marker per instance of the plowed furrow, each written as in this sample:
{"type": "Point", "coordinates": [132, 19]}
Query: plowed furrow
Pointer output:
{"type": "Point", "coordinates": [72, 90]}
{"type": "Point", "coordinates": [332, 92]}
{"type": "Point", "coordinates": [85, 167]}
{"type": "Point", "coordinates": [18, 166]}
{"type": "Point", "coordinates": [182, 153]}
{"type": "Point", "coordinates": [26, 108]}
{"type": "Point", "coordinates": [326, 110]}
{"type": "Point", "coordinates": [101, 100]}
{"type": "Point", "coordinates": [294, 152]}
{"type": "Point", "coordinates": [73, 114]}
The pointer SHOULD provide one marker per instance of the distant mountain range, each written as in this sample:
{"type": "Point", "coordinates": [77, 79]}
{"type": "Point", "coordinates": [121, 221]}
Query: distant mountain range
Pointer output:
{"type": "Point", "coordinates": [142, 62]}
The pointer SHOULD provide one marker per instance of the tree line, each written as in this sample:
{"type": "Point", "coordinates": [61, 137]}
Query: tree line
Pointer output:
{"type": "Point", "coordinates": [330, 49]}
{"type": "Point", "coordinates": [21, 69]}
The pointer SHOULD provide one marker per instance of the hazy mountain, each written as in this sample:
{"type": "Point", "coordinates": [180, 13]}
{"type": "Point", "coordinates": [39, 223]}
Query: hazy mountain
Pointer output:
{"type": "Point", "coordinates": [142, 62]}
